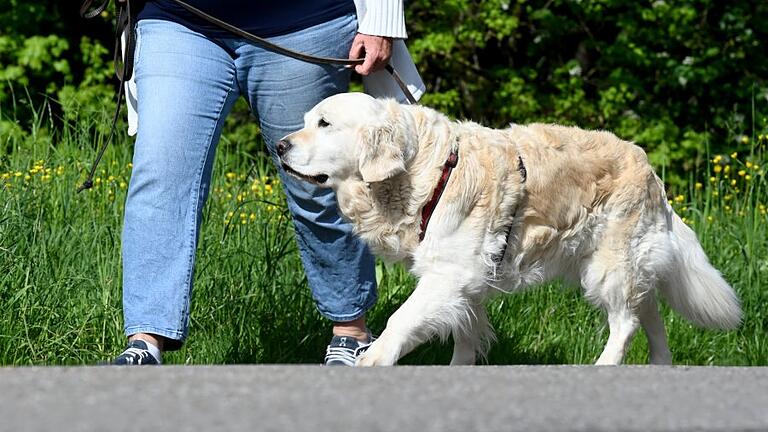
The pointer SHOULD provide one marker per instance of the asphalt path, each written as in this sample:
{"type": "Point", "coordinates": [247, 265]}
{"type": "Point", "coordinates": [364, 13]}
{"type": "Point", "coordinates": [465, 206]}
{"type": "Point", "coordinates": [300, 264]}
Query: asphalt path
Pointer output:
{"type": "Point", "coordinates": [314, 398]}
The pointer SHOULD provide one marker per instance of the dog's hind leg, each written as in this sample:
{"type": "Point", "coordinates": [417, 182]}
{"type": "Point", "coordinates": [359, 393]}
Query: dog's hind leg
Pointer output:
{"type": "Point", "coordinates": [653, 325]}
{"type": "Point", "coordinates": [610, 284]}
{"type": "Point", "coordinates": [623, 324]}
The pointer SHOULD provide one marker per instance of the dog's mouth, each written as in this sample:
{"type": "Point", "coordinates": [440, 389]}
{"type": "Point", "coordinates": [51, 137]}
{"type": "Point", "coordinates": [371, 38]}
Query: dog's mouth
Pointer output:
{"type": "Point", "coordinates": [316, 179]}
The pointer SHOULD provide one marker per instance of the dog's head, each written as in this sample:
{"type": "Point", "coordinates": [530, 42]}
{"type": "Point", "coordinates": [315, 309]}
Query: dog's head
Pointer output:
{"type": "Point", "coordinates": [350, 135]}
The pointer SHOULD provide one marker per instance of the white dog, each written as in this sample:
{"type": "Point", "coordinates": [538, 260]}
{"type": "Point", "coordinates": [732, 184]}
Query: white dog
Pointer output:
{"type": "Point", "coordinates": [522, 206]}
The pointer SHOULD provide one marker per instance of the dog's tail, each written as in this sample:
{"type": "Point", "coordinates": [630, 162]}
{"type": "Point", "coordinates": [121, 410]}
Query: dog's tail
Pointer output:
{"type": "Point", "coordinates": [693, 287]}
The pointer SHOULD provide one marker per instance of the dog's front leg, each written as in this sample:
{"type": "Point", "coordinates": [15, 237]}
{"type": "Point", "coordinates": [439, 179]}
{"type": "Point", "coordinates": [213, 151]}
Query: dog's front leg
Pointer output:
{"type": "Point", "coordinates": [434, 307]}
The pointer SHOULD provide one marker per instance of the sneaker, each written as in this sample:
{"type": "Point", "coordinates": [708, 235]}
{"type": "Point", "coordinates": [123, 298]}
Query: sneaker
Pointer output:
{"type": "Point", "coordinates": [344, 350]}
{"type": "Point", "coordinates": [136, 353]}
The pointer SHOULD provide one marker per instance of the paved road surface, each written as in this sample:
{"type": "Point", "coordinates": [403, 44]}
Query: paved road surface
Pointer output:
{"type": "Point", "coordinates": [296, 398]}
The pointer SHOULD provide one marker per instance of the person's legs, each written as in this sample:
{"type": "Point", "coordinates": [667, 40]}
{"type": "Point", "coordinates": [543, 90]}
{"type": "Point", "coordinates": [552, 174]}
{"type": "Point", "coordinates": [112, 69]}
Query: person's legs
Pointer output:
{"type": "Point", "coordinates": [186, 86]}
{"type": "Point", "coordinates": [339, 267]}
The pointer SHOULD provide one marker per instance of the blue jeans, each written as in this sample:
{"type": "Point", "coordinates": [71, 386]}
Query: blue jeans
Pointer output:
{"type": "Point", "coordinates": [187, 83]}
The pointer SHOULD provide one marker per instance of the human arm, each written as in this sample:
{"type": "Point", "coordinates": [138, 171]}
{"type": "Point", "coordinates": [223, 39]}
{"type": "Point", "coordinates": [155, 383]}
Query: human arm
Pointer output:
{"type": "Point", "coordinates": [381, 21]}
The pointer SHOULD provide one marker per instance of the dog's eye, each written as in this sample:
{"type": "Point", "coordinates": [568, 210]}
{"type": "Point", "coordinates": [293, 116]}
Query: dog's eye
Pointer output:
{"type": "Point", "coordinates": [322, 123]}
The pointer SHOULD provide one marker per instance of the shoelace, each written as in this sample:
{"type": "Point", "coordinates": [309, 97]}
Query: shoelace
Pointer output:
{"type": "Point", "coordinates": [340, 354]}
{"type": "Point", "coordinates": [137, 355]}
{"type": "Point", "coordinates": [345, 354]}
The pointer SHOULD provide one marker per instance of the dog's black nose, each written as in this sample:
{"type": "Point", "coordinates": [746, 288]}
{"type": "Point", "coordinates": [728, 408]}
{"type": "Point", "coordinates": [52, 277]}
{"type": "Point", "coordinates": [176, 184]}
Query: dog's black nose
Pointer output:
{"type": "Point", "coordinates": [283, 146]}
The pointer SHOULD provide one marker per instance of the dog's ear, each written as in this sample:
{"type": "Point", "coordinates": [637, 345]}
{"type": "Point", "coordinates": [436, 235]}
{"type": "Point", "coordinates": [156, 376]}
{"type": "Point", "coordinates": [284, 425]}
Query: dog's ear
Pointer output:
{"type": "Point", "coordinates": [383, 153]}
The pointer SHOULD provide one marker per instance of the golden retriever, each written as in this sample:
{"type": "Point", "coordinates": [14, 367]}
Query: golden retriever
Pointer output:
{"type": "Point", "coordinates": [523, 205]}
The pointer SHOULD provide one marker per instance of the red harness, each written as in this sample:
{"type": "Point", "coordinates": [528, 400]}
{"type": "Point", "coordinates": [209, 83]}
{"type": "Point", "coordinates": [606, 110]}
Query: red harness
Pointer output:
{"type": "Point", "coordinates": [426, 212]}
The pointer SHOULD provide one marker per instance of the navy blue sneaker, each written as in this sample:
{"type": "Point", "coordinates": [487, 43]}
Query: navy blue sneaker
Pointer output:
{"type": "Point", "coordinates": [344, 350]}
{"type": "Point", "coordinates": [136, 353]}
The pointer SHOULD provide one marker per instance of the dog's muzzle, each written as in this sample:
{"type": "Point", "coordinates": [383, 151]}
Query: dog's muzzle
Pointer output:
{"type": "Point", "coordinates": [283, 146]}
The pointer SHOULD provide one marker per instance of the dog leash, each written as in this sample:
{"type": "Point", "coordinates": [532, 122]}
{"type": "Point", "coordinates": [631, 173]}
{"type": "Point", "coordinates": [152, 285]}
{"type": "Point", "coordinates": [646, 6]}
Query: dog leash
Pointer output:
{"type": "Point", "coordinates": [124, 67]}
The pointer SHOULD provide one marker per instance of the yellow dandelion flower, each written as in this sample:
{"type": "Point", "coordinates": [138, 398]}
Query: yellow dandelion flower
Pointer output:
{"type": "Point", "coordinates": [123, 185]}
{"type": "Point", "coordinates": [45, 177]}
{"type": "Point", "coordinates": [243, 221]}
{"type": "Point", "coordinates": [230, 175]}
{"type": "Point", "coordinates": [243, 215]}
{"type": "Point", "coordinates": [712, 179]}
{"type": "Point", "coordinates": [129, 166]}
{"type": "Point", "coordinates": [747, 177]}
{"type": "Point", "coordinates": [727, 208]}
{"type": "Point", "coordinates": [230, 214]}
{"type": "Point", "coordinates": [727, 169]}
{"type": "Point", "coordinates": [710, 218]}
{"type": "Point", "coordinates": [670, 202]}
{"type": "Point", "coordinates": [268, 188]}
{"type": "Point", "coordinates": [229, 195]}
{"type": "Point", "coordinates": [60, 170]}
{"type": "Point", "coordinates": [728, 197]}
{"type": "Point", "coordinates": [254, 187]}
{"type": "Point", "coordinates": [239, 198]}
{"type": "Point", "coordinates": [111, 178]}
{"type": "Point", "coordinates": [685, 220]}
{"type": "Point", "coordinates": [684, 209]}
{"type": "Point", "coordinates": [27, 177]}
{"type": "Point", "coordinates": [756, 167]}
{"type": "Point", "coordinates": [745, 139]}
{"type": "Point", "coordinates": [679, 198]}
{"type": "Point", "coordinates": [748, 164]}
{"type": "Point", "coordinates": [717, 159]}
{"type": "Point", "coordinates": [715, 193]}
{"type": "Point", "coordinates": [717, 168]}
{"type": "Point", "coordinates": [97, 180]}
{"type": "Point", "coordinates": [734, 155]}
{"type": "Point", "coordinates": [762, 212]}
{"type": "Point", "coordinates": [762, 206]}
{"type": "Point", "coordinates": [733, 182]}
{"type": "Point", "coordinates": [698, 186]}
{"type": "Point", "coordinates": [741, 212]}
{"type": "Point", "coordinates": [18, 174]}
{"type": "Point", "coordinates": [742, 173]}
{"type": "Point", "coordinates": [252, 217]}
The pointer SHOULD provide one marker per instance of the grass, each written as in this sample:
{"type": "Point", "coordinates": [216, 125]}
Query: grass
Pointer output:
{"type": "Point", "coordinates": [60, 299]}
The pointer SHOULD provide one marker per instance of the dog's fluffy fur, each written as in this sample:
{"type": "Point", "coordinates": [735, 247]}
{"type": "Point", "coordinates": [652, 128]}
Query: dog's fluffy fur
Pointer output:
{"type": "Point", "coordinates": [591, 212]}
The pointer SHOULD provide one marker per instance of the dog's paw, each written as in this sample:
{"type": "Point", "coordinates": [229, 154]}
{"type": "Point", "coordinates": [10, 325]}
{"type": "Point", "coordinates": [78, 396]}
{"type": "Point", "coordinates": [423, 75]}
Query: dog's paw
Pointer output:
{"type": "Point", "coordinates": [378, 354]}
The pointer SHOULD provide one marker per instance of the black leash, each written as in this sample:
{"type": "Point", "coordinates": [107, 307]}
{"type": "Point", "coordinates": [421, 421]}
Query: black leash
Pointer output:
{"type": "Point", "coordinates": [124, 68]}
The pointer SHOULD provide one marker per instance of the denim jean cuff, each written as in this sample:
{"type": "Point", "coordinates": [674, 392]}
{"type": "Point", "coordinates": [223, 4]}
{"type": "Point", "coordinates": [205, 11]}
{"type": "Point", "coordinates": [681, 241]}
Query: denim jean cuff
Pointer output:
{"type": "Point", "coordinates": [353, 316]}
{"type": "Point", "coordinates": [174, 339]}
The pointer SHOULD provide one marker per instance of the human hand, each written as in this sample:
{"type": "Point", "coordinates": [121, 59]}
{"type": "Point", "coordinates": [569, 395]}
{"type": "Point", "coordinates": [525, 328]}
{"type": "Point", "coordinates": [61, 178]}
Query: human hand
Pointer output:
{"type": "Point", "coordinates": [377, 51]}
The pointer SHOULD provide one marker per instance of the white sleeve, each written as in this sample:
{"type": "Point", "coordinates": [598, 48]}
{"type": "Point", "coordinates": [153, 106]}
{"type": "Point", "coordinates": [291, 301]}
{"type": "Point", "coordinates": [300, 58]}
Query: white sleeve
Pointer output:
{"type": "Point", "coordinates": [381, 18]}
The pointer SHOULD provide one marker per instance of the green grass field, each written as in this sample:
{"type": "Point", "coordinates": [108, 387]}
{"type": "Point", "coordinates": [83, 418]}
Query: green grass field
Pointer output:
{"type": "Point", "coordinates": [60, 267]}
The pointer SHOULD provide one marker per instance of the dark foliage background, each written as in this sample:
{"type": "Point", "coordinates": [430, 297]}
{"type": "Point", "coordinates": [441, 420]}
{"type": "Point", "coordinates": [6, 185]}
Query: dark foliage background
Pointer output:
{"type": "Point", "coordinates": [677, 77]}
